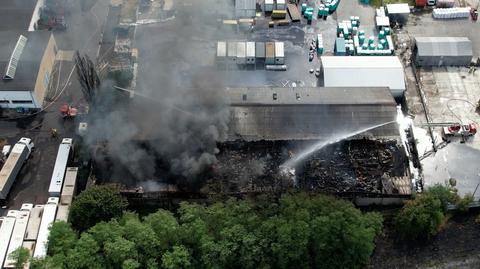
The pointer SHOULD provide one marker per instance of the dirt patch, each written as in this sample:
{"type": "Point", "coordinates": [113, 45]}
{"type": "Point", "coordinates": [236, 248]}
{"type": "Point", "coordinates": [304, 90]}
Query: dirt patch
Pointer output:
{"type": "Point", "coordinates": [456, 246]}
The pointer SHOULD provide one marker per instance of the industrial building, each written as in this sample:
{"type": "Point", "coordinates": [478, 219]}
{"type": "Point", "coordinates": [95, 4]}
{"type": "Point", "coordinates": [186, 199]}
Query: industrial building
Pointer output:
{"type": "Point", "coordinates": [364, 71]}
{"type": "Point", "coordinates": [398, 13]}
{"type": "Point", "coordinates": [26, 61]}
{"type": "Point", "coordinates": [443, 51]}
{"type": "Point", "coordinates": [308, 113]}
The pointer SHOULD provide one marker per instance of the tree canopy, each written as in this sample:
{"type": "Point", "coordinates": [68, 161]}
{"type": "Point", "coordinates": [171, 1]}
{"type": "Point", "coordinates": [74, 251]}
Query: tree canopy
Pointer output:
{"type": "Point", "coordinates": [295, 231]}
{"type": "Point", "coordinates": [95, 204]}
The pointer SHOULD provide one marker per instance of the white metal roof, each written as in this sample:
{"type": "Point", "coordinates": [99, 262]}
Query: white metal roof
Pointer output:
{"type": "Point", "coordinates": [250, 49]}
{"type": "Point", "coordinates": [363, 71]}
{"type": "Point", "coordinates": [279, 49]}
{"type": "Point", "coordinates": [241, 53]}
{"type": "Point", "coordinates": [382, 21]}
{"type": "Point", "coordinates": [15, 57]}
{"type": "Point", "coordinates": [398, 8]}
{"type": "Point", "coordinates": [221, 49]}
{"type": "Point", "coordinates": [444, 46]}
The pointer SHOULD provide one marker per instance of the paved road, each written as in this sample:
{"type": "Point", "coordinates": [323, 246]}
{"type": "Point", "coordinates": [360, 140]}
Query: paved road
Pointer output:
{"type": "Point", "coordinates": [83, 33]}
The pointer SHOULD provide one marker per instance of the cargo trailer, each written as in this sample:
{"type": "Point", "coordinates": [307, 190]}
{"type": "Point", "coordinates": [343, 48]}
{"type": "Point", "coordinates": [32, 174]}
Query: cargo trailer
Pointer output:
{"type": "Point", "coordinates": [48, 217]}
{"type": "Point", "coordinates": [269, 53]}
{"type": "Point", "coordinates": [6, 231]}
{"type": "Point", "coordinates": [30, 245]}
{"type": "Point", "coordinates": [18, 234]}
{"type": "Point", "coordinates": [279, 53]}
{"type": "Point", "coordinates": [34, 223]}
{"type": "Point", "coordinates": [232, 51]}
{"type": "Point", "coordinates": [260, 50]}
{"type": "Point", "coordinates": [19, 154]}
{"type": "Point", "coordinates": [250, 53]}
{"type": "Point", "coordinates": [221, 51]}
{"type": "Point", "coordinates": [62, 213]}
{"type": "Point", "coordinates": [69, 186]}
{"type": "Point", "coordinates": [58, 175]}
{"type": "Point", "coordinates": [281, 5]}
{"type": "Point", "coordinates": [269, 5]}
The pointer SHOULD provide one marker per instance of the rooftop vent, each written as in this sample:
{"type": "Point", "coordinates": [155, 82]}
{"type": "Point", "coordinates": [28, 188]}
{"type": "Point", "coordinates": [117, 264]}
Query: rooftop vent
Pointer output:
{"type": "Point", "coordinates": [15, 57]}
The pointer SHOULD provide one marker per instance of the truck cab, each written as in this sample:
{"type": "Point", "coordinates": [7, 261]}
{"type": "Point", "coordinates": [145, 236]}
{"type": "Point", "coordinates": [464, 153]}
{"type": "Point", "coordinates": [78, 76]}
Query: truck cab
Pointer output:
{"type": "Point", "coordinates": [27, 142]}
{"type": "Point", "coordinates": [431, 2]}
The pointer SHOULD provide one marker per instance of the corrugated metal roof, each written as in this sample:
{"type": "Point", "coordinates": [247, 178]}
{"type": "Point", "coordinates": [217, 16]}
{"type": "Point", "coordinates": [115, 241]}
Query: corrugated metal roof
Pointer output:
{"type": "Point", "coordinates": [444, 46]}
{"type": "Point", "coordinates": [363, 71]}
{"type": "Point", "coordinates": [245, 4]}
{"type": "Point", "coordinates": [401, 8]}
{"type": "Point", "coordinates": [308, 113]}
{"type": "Point", "coordinates": [309, 96]}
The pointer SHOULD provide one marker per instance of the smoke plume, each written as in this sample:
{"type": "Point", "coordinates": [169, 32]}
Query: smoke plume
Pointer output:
{"type": "Point", "coordinates": [182, 112]}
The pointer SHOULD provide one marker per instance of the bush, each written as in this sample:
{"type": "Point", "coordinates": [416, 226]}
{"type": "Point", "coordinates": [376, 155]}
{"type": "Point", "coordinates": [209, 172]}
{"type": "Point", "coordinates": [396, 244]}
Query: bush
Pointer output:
{"type": "Point", "coordinates": [420, 218]}
{"type": "Point", "coordinates": [463, 204]}
{"type": "Point", "coordinates": [95, 204]}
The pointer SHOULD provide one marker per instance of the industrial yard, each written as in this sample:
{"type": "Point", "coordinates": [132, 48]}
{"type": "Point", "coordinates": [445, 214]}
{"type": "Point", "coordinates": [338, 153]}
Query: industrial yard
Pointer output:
{"type": "Point", "coordinates": [201, 101]}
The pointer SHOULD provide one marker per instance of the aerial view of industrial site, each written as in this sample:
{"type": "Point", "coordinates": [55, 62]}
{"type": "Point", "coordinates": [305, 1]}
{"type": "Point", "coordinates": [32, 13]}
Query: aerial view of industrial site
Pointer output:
{"type": "Point", "coordinates": [231, 134]}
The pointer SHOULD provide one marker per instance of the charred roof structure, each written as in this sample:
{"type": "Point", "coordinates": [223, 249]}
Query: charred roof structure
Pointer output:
{"type": "Point", "coordinates": [308, 113]}
{"type": "Point", "coordinates": [443, 51]}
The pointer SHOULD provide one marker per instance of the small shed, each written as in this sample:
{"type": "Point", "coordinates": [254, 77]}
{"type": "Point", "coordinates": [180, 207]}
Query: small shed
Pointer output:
{"type": "Point", "coordinates": [250, 52]}
{"type": "Point", "coordinates": [245, 8]}
{"type": "Point", "coordinates": [443, 51]}
{"type": "Point", "coordinates": [398, 13]}
{"type": "Point", "coordinates": [279, 53]}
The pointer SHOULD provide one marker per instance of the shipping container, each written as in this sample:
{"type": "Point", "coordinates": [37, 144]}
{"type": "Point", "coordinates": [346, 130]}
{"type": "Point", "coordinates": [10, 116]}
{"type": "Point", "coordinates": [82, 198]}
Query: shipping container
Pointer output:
{"type": "Point", "coordinates": [58, 175]}
{"type": "Point", "coordinates": [221, 50]}
{"type": "Point", "coordinates": [250, 52]}
{"type": "Point", "coordinates": [269, 53]}
{"type": "Point", "coordinates": [241, 53]}
{"type": "Point", "coordinates": [19, 154]}
{"type": "Point", "coordinates": [260, 50]}
{"type": "Point", "coordinates": [48, 217]}
{"type": "Point", "coordinates": [445, 3]}
{"type": "Point", "coordinates": [294, 13]}
{"type": "Point", "coordinates": [232, 51]}
{"type": "Point", "coordinates": [279, 53]}
{"type": "Point", "coordinates": [18, 234]}
{"type": "Point", "coordinates": [420, 3]}
{"type": "Point", "coordinates": [34, 223]}
{"type": "Point", "coordinates": [340, 49]}
{"type": "Point", "coordinates": [62, 213]}
{"type": "Point", "coordinates": [6, 231]}
{"type": "Point", "coordinates": [268, 5]}
{"type": "Point", "coordinates": [281, 5]}
{"type": "Point", "coordinates": [69, 186]}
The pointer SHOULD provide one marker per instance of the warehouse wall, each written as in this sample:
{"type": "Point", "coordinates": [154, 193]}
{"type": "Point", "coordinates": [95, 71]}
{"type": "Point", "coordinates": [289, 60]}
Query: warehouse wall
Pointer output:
{"type": "Point", "coordinates": [45, 71]}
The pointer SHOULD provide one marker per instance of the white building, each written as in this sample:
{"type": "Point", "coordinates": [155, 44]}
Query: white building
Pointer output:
{"type": "Point", "coordinates": [364, 71]}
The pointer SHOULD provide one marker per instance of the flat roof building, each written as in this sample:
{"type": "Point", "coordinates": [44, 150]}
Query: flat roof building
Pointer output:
{"type": "Point", "coordinates": [26, 64]}
{"type": "Point", "coordinates": [443, 51]}
{"type": "Point", "coordinates": [308, 113]}
{"type": "Point", "coordinates": [364, 71]}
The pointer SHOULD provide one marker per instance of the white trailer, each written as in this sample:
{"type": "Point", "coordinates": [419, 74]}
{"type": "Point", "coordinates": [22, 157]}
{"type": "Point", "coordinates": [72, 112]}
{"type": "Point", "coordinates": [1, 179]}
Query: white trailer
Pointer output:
{"type": "Point", "coordinates": [30, 245]}
{"type": "Point", "coordinates": [6, 231]}
{"type": "Point", "coordinates": [279, 53]}
{"type": "Point", "coordinates": [58, 175]}
{"type": "Point", "coordinates": [18, 233]}
{"type": "Point", "coordinates": [19, 154]}
{"type": "Point", "coordinates": [241, 53]}
{"type": "Point", "coordinates": [62, 213]}
{"type": "Point", "coordinates": [69, 186]}
{"type": "Point", "coordinates": [48, 217]}
{"type": "Point", "coordinates": [34, 223]}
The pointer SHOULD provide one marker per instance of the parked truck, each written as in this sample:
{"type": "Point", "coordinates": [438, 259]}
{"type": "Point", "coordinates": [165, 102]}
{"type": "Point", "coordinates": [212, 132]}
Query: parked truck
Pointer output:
{"type": "Point", "coordinates": [19, 154]}
{"type": "Point", "coordinates": [48, 217]}
{"type": "Point", "coordinates": [58, 175]}
{"type": "Point", "coordinates": [18, 234]}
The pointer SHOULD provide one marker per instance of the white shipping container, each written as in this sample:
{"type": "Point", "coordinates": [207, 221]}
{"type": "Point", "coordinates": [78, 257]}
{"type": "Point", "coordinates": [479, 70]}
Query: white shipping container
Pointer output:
{"type": "Point", "coordinates": [13, 164]}
{"type": "Point", "coordinates": [268, 5]}
{"type": "Point", "coordinates": [232, 51]}
{"type": "Point", "coordinates": [241, 53]}
{"type": "Point", "coordinates": [281, 5]}
{"type": "Point", "coordinates": [30, 245]}
{"type": "Point", "coordinates": [17, 236]}
{"type": "Point", "coordinates": [6, 231]}
{"type": "Point", "coordinates": [279, 53]}
{"type": "Point", "coordinates": [69, 186]}
{"type": "Point", "coordinates": [58, 175]}
{"type": "Point", "coordinates": [250, 52]}
{"type": "Point", "coordinates": [221, 49]}
{"type": "Point", "coordinates": [34, 223]}
{"type": "Point", "coordinates": [48, 217]}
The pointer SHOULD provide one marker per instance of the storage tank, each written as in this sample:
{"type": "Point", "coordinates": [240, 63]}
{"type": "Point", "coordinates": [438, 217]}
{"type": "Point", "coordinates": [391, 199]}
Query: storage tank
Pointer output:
{"type": "Point", "coordinates": [279, 53]}
{"type": "Point", "coordinates": [269, 53]}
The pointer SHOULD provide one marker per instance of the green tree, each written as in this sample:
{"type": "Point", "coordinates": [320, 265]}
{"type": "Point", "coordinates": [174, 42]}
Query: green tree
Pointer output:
{"type": "Point", "coordinates": [420, 218]}
{"type": "Point", "coordinates": [61, 238]}
{"type": "Point", "coordinates": [177, 258]}
{"type": "Point", "coordinates": [95, 204]}
{"type": "Point", "coordinates": [119, 250]}
{"type": "Point", "coordinates": [20, 256]}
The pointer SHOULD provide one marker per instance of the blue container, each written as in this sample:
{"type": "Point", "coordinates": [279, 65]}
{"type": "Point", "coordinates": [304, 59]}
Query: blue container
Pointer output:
{"type": "Point", "coordinates": [340, 49]}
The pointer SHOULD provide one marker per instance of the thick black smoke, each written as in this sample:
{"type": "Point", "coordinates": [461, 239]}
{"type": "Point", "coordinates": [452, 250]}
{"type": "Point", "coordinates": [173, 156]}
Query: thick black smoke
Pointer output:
{"type": "Point", "coordinates": [182, 112]}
